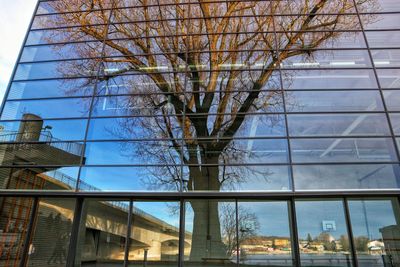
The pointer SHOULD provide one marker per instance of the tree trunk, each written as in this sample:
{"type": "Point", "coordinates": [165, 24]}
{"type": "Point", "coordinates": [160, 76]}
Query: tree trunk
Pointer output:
{"type": "Point", "coordinates": [206, 237]}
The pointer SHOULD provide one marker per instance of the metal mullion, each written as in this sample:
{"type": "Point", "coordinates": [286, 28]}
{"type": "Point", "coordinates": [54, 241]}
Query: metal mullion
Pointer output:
{"type": "Point", "coordinates": [237, 233]}
{"type": "Point", "coordinates": [29, 233]}
{"type": "Point", "coordinates": [293, 230]}
{"type": "Point", "coordinates": [396, 145]}
{"type": "Point", "coordinates": [350, 232]}
{"type": "Point", "coordinates": [182, 234]}
{"type": "Point", "coordinates": [73, 242]}
{"type": "Point", "coordinates": [128, 234]}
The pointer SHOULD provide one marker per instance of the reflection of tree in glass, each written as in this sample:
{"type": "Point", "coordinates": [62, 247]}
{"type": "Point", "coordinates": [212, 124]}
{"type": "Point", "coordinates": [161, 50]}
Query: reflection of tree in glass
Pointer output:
{"type": "Point", "coordinates": [200, 69]}
{"type": "Point", "coordinates": [248, 225]}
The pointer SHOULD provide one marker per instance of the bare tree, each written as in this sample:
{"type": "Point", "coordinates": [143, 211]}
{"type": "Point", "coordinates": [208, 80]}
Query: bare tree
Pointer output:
{"type": "Point", "coordinates": [198, 69]}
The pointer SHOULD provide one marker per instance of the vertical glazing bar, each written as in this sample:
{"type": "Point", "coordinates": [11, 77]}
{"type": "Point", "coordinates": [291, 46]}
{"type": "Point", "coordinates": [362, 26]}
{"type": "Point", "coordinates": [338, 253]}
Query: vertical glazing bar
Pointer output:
{"type": "Point", "coordinates": [73, 243]}
{"type": "Point", "coordinates": [293, 226]}
{"type": "Point", "coordinates": [182, 211]}
{"type": "Point", "coordinates": [237, 233]}
{"type": "Point", "coordinates": [350, 230]}
{"type": "Point", "coordinates": [29, 233]}
{"type": "Point", "coordinates": [128, 234]}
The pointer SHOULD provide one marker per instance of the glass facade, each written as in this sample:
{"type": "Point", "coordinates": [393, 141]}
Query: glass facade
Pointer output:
{"type": "Point", "coordinates": [203, 133]}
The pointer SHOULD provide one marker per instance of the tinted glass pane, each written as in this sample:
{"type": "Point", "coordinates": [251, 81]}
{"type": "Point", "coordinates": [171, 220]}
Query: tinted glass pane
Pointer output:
{"type": "Point", "coordinates": [155, 234]}
{"type": "Point", "coordinates": [15, 215]}
{"type": "Point", "coordinates": [389, 78]}
{"type": "Point", "coordinates": [322, 233]}
{"type": "Point", "coordinates": [330, 59]}
{"type": "Point", "coordinates": [387, 5]}
{"type": "Point", "coordinates": [56, 52]}
{"type": "Point", "coordinates": [39, 178]}
{"type": "Point", "coordinates": [343, 150]}
{"type": "Point", "coordinates": [336, 177]}
{"type": "Point", "coordinates": [59, 154]}
{"type": "Point", "coordinates": [138, 153]}
{"type": "Point", "coordinates": [69, 19]}
{"type": "Point", "coordinates": [52, 232]}
{"type": "Point", "coordinates": [50, 88]}
{"type": "Point", "coordinates": [150, 178]}
{"type": "Point", "coordinates": [376, 231]}
{"type": "Point", "coordinates": [42, 130]}
{"type": "Point", "coordinates": [253, 178]}
{"type": "Point", "coordinates": [381, 21]}
{"type": "Point", "coordinates": [383, 38]}
{"type": "Point", "coordinates": [338, 125]}
{"type": "Point", "coordinates": [386, 58]}
{"type": "Point", "coordinates": [102, 233]}
{"type": "Point", "coordinates": [153, 127]}
{"type": "Point", "coordinates": [333, 101]}
{"type": "Point", "coordinates": [61, 69]}
{"type": "Point", "coordinates": [211, 233]}
{"type": "Point", "coordinates": [264, 233]}
{"type": "Point", "coordinates": [395, 119]}
{"type": "Point", "coordinates": [329, 79]}
{"type": "Point", "coordinates": [61, 35]}
{"type": "Point", "coordinates": [392, 99]}
{"type": "Point", "coordinates": [46, 109]}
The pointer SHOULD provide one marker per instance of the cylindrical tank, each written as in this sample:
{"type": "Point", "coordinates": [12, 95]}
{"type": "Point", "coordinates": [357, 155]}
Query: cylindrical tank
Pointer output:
{"type": "Point", "coordinates": [30, 128]}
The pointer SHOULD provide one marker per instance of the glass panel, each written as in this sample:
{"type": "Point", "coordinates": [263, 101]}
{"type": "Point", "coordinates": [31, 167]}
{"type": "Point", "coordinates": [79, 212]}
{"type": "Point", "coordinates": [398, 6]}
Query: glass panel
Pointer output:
{"type": "Point", "coordinates": [135, 152]}
{"type": "Point", "coordinates": [252, 178]}
{"type": "Point", "coordinates": [381, 21]}
{"type": "Point", "coordinates": [51, 88]}
{"type": "Point", "coordinates": [333, 101]}
{"type": "Point", "coordinates": [102, 233]}
{"type": "Point", "coordinates": [383, 38]}
{"type": "Point", "coordinates": [329, 59]}
{"type": "Point", "coordinates": [322, 233]}
{"type": "Point", "coordinates": [68, 18]}
{"type": "Point", "coordinates": [349, 176]}
{"type": "Point", "coordinates": [155, 234]}
{"type": "Point", "coordinates": [338, 125]}
{"type": "Point", "coordinates": [61, 35]}
{"type": "Point", "coordinates": [392, 99]}
{"type": "Point", "coordinates": [210, 227]}
{"type": "Point", "coordinates": [151, 127]}
{"type": "Point", "coordinates": [329, 79]}
{"type": "Point", "coordinates": [37, 178]}
{"type": "Point", "coordinates": [376, 231]}
{"type": "Point", "coordinates": [343, 150]}
{"type": "Point", "coordinates": [264, 233]}
{"type": "Point", "coordinates": [389, 78]}
{"type": "Point", "coordinates": [61, 52]}
{"type": "Point", "coordinates": [387, 5]}
{"type": "Point", "coordinates": [46, 109]}
{"type": "Point", "coordinates": [151, 178]}
{"type": "Point", "coordinates": [15, 214]}
{"type": "Point", "coordinates": [395, 119]}
{"type": "Point", "coordinates": [42, 130]}
{"type": "Point", "coordinates": [50, 242]}
{"type": "Point", "coordinates": [58, 154]}
{"type": "Point", "coordinates": [386, 58]}
{"type": "Point", "coordinates": [59, 69]}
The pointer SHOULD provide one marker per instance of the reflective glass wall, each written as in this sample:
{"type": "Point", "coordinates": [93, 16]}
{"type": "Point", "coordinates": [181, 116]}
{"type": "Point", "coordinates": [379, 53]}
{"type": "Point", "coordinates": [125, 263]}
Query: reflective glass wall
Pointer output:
{"type": "Point", "coordinates": [206, 104]}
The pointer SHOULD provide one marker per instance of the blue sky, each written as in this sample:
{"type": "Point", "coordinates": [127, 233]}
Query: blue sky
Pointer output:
{"type": "Point", "coordinates": [15, 16]}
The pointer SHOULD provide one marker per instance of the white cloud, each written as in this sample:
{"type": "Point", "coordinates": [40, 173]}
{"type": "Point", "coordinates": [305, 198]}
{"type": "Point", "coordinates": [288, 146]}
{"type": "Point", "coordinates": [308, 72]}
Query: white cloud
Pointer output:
{"type": "Point", "coordinates": [15, 16]}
